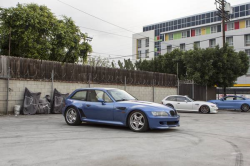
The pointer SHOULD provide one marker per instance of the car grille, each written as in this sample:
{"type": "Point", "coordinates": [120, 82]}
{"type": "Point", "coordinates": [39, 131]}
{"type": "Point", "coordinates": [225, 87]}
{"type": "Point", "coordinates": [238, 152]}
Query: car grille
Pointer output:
{"type": "Point", "coordinates": [173, 113]}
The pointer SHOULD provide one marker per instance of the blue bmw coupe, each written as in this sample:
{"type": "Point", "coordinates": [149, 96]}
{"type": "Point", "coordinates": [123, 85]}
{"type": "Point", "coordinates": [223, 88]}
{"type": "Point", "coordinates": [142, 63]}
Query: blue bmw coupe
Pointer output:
{"type": "Point", "coordinates": [117, 107]}
{"type": "Point", "coordinates": [232, 102]}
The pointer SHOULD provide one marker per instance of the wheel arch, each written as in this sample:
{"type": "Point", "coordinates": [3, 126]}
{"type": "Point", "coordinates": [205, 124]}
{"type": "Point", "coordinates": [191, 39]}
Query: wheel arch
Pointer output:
{"type": "Point", "coordinates": [72, 106]}
{"type": "Point", "coordinates": [131, 111]}
{"type": "Point", "coordinates": [203, 105]}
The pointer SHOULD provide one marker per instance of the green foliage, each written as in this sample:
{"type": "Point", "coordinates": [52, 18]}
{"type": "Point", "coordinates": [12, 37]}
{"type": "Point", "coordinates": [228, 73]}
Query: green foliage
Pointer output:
{"type": "Point", "coordinates": [165, 64]}
{"type": "Point", "coordinates": [36, 33]}
{"type": "Point", "coordinates": [128, 64]}
{"type": "Point", "coordinates": [211, 66]}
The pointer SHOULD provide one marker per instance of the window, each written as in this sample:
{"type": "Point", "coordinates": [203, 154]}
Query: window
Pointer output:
{"type": "Point", "coordinates": [247, 40]}
{"type": "Point", "coordinates": [214, 29]}
{"type": "Point", "coordinates": [197, 44]}
{"type": "Point", "coordinates": [184, 34]}
{"type": "Point", "coordinates": [80, 95]}
{"type": "Point", "coordinates": [230, 26]}
{"type": "Point", "coordinates": [212, 43]}
{"type": "Point", "coordinates": [171, 36]}
{"type": "Point", "coordinates": [230, 41]}
{"type": "Point", "coordinates": [197, 32]}
{"type": "Point", "coordinates": [248, 23]}
{"type": "Point", "coordinates": [139, 43]}
{"type": "Point", "coordinates": [147, 53]}
{"type": "Point", "coordinates": [169, 49]}
{"type": "Point", "coordinates": [181, 99]}
{"type": "Point", "coordinates": [182, 47]}
{"type": "Point", "coordinates": [171, 98]}
{"type": "Point", "coordinates": [95, 95]}
{"type": "Point", "coordinates": [147, 42]}
{"type": "Point", "coordinates": [139, 54]}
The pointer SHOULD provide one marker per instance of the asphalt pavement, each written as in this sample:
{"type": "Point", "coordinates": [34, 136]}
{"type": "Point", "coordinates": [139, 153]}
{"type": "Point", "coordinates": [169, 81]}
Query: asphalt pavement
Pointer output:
{"type": "Point", "coordinates": [221, 139]}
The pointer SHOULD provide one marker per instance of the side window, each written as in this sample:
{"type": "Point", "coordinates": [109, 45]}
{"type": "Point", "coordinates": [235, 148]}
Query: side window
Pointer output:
{"type": "Point", "coordinates": [107, 98]}
{"type": "Point", "coordinates": [181, 99]}
{"type": "Point", "coordinates": [230, 98]}
{"type": "Point", "coordinates": [81, 95]}
{"type": "Point", "coordinates": [94, 95]}
{"type": "Point", "coordinates": [239, 98]}
{"type": "Point", "coordinates": [171, 98]}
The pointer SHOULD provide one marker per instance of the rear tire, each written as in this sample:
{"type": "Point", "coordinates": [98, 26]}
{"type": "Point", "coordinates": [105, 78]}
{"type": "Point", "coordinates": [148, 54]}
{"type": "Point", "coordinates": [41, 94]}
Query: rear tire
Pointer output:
{"type": "Point", "coordinates": [137, 121]}
{"type": "Point", "coordinates": [72, 116]}
{"type": "Point", "coordinates": [244, 108]}
{"type": "Point", "coordinates": [204, 109]}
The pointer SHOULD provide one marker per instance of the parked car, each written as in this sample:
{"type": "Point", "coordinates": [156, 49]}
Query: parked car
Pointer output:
{"type": "Point", "coordinates": [232, 102]}
{"type": "Point", "coordinates": [117, 107]}
{"type": "Point", "coordinates": [184, 103]}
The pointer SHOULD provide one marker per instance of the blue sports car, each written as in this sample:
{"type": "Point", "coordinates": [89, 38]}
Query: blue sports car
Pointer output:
{"type": "Point", "coordinates": [232, 102]}
{"type": "Point", "coordinates": [117, 107]}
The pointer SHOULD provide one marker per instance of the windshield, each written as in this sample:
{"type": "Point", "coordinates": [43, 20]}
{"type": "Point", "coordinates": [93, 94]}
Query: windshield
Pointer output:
{"type": "Point", "coordinates": [120, 95]}
{"type": "Point", "coordinates": [190, 99]}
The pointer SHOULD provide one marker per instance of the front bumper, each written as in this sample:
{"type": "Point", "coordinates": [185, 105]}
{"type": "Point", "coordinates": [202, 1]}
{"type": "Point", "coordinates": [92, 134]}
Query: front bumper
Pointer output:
{"type": "Point", "coordinates": [163, 122]}
{"type": "Point", "coordinates": [213, 110]}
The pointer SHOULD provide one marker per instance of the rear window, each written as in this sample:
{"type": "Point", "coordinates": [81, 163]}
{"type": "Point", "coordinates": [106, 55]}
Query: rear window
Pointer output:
{"type": "Point", "coordinates": [81, 95]}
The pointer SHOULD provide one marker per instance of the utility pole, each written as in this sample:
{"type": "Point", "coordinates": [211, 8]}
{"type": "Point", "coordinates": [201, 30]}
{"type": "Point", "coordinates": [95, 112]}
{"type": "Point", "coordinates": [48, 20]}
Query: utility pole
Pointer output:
{"type": "Point", "coordinates": [9, 40]}
{"type": "Point", "coordinates": [224, 10]}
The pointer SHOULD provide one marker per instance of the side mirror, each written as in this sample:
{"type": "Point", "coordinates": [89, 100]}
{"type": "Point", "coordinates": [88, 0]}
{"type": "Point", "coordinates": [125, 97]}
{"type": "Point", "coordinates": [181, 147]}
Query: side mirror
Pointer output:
{"type": "Point", "coordinates": [222, 99]}
{"type": "Point", "coordinates": [186, 101]}
{"type": "Point", "coordinates": [102, 101]}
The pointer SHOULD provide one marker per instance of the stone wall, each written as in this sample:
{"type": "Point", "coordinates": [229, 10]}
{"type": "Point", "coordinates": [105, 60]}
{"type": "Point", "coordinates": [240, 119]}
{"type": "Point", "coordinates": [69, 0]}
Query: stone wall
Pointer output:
{"type": "Point", "coordinates": [16, 91]}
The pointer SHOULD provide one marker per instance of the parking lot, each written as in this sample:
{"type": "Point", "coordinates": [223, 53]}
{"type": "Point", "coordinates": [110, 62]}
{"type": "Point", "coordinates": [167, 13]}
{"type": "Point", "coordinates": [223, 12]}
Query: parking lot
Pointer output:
{"type": "Point", "coordinates": [221, 139]}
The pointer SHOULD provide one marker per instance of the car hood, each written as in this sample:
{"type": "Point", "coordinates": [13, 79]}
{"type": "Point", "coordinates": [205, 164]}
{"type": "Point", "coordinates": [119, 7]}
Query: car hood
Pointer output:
{"type": "Point", "coordinates": [144, 104]}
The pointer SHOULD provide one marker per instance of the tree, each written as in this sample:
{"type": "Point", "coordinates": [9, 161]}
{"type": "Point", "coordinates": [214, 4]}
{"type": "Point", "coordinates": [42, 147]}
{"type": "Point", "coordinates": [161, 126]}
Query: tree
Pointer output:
{"type": "Point", "coordinates": [128, 64]}
{"type": "Point", "coordinates": [228, 66]}
{"type": "Point", "coordinates": [199, 63]}
{"type": "Point", "coordinates": [165, 64]}
{"type": "Point", "coordinates": [103, 62]}
{"type": "Point", "coordinates": [34, 32]}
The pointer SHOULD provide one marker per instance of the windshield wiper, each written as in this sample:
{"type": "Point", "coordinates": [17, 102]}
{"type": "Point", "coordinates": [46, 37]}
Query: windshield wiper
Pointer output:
{"type": "Point", "coordinates": [122, 100]}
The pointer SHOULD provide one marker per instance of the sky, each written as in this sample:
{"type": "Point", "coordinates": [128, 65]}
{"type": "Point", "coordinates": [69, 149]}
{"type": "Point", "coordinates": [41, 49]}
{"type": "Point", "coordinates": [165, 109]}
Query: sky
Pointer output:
{"type": "Point", "coordinates": [128, 14]}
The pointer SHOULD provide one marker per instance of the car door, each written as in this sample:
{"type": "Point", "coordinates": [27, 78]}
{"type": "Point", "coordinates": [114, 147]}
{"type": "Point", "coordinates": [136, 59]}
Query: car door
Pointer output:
{"type": "Point", "coordinates": [227, 103]}
{"type": "Point", "coordinates": [99, 110]}
{"type": "Point", "coordinates": [184, 104]}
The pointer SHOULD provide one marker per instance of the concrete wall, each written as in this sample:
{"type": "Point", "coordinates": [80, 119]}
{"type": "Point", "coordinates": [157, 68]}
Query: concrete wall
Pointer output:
{"type": "Point", "coordinates": [17, 87]}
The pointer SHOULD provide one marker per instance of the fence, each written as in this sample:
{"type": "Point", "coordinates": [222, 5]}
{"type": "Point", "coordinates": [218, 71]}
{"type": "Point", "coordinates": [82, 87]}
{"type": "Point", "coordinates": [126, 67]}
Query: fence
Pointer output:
{"type": "Point", "coordinates": [197, 92]}
{"type": "Point", "coordinates": [23, 68]}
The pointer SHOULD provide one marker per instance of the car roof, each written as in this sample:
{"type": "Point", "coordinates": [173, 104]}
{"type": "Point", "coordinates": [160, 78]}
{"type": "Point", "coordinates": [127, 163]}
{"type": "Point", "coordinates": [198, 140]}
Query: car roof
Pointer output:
{"type": "Point", "coordinates": [234, 96]}
{"type": "Point", "coordinates": [177, 96]}
{"type": "Point", "coordinates": [97, 88]}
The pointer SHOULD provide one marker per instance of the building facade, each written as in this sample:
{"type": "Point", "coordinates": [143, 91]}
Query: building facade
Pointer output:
{"type": "Point", "coordinates": [200, 30]}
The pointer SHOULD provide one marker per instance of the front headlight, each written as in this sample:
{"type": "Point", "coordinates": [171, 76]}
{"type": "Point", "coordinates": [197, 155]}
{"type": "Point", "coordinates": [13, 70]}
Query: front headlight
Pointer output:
{"type": "Point", "coordinates": [213, 105]}
{"type": "Point", "coordinates": [160, 113]}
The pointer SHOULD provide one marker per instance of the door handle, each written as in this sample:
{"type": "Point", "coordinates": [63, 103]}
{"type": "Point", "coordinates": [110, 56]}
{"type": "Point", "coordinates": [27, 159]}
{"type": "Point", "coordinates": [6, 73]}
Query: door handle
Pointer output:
{"type": "Point", "coordinates": [88, 105]}
{"type": "Point", "coordinates": [178, 103]}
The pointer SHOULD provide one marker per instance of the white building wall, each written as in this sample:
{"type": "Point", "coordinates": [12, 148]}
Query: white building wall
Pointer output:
{"type": "Point", "coordinates": [143, 36]}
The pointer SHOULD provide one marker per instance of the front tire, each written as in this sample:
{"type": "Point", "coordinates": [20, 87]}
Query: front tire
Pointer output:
{"type": "Point", "coordinates": [204, 109]}
{"type": "Point", "coordinates": [244, 108]}
{"type": "Point", "coordinates": [138, 121]}
{"type": "Point", "coordinates": [72, 117]}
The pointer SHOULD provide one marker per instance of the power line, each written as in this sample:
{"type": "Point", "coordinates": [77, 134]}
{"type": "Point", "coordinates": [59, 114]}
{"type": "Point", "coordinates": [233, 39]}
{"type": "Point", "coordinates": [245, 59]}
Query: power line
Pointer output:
{"type": "Point", "coordinates": [122, 56]}
{"type": "Point", "coordinates": [103, 20]}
